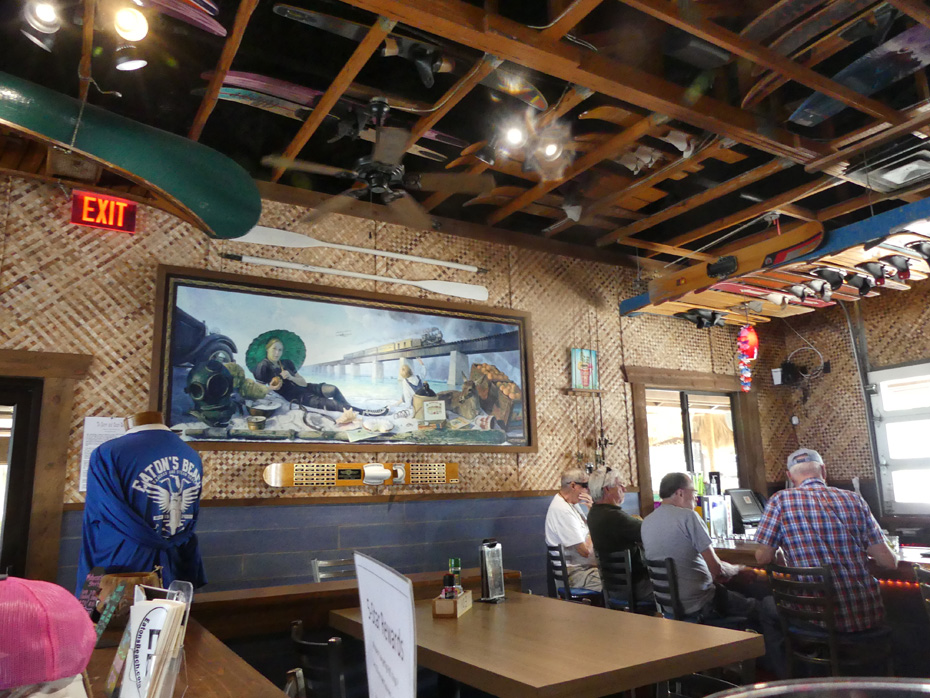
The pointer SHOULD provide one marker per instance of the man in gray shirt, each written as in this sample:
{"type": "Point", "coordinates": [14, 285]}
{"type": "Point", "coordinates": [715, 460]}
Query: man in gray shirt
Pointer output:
{"type": "Point", "coordinates": [675, 530]}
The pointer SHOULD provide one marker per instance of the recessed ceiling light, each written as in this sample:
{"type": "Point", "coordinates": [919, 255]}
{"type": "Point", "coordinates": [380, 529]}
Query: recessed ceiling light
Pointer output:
{"type": "Point", "coordinates": [130, 24]}
{"type": "Point", "coordinates": [128, 58]}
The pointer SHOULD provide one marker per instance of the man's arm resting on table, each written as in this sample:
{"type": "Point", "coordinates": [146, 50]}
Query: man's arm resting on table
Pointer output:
{"type": "Point", "coordinates": [883, 555]}
{"type": "Point", "coordinates": [718, 568]}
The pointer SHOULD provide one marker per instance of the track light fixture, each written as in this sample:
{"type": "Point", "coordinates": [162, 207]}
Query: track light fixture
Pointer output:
{"type": "Point", "coordinates": [41, 21]}
{"type": "Point", "coordinates": [129, 58]}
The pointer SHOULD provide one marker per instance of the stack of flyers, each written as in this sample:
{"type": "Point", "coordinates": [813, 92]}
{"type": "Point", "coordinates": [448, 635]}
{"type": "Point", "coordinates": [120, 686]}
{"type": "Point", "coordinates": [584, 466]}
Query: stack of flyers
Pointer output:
{"type": "Point", "coordinates": [156, 635]}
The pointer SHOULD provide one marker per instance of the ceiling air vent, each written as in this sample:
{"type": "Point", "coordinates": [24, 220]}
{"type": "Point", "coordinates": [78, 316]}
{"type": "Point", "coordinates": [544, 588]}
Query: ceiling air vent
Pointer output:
{"type": "Point", "coordinates": [893, 166]}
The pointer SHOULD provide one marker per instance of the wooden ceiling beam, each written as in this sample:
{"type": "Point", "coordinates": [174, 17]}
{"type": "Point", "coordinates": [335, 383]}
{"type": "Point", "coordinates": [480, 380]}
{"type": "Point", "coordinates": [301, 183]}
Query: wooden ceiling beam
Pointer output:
{"type": "Point", "coordinates": [608, 149]}
{"type": "Point", "coordinates": [918, 11]}
{"type": "Point", "coordinates": [469, 25]}
{"type": "Point", "coordinates": [230, 49]}
{"type": "Point", "coordinates": [605, 202]}
{"type": "Point", "coordinates": [765, 57]}
{"type": "Point", "coordinates": [913, 123]}
{"type": "Point", "coordinates": [870, 198]}
{"type": "Point", "coordinates": [378, 32]}
{"type": "Point", "coordinates": [755, 211]}
{"type": "Point", "coordinates": [659, 248]}
{"type": "Point", "coordinates": [565, 22]}
{"type": "Point", "coordinates": [728, 187]}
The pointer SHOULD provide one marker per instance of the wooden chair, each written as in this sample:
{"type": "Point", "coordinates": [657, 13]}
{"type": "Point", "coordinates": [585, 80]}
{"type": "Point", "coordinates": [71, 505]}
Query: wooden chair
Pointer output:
{"type": "Point", "coordinates": [321, 665]}
{"type": "Point", "coordinates": [923, 580]}
{"type": "Point", "coordinates": [343, 568]}
{"type": "Point", "coordinates": [557, 579]}
{"type": "Point", "coordinates": [617, 580]}
{"type": "Point", "coordinates": [806, 604]}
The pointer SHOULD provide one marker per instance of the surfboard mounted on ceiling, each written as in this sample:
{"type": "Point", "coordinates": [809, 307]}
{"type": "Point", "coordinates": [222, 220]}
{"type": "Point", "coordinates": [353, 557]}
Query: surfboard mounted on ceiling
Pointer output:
{"type": "Point", "coordinates": [886, 252]}
{"type": "Point", "coordinates": [188, 179]}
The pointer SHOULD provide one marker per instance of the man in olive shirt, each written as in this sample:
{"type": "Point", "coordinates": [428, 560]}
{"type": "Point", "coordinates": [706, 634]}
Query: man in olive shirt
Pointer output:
{"type": "Point", "coordinates": [612, 529]}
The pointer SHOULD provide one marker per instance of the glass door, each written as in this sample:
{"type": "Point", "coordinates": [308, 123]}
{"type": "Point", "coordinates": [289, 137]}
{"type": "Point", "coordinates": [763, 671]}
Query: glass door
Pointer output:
{"type": "Point", "coordinates": [691, 432]}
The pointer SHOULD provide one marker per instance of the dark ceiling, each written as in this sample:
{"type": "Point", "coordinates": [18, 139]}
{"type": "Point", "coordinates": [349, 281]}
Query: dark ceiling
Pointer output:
{"type": "Point", "coordinates": [626, 49]}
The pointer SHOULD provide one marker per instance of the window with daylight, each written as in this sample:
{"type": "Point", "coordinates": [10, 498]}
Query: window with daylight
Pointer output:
{"type": "Point", "coordinates": [901, 411]}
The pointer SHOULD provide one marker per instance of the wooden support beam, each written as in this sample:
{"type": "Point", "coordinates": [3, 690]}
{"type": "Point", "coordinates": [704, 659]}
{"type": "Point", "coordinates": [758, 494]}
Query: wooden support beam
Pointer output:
{"type": "Point", "coordinates": [765, 57]}
{"type": "Point", "coordinates": [915, 9]}
{"type": "Point", "coordinates": [466, 24]}
{"type": "Point", "coordinates": [610, 148]}
{"type": "Point", "coordinates": [754, 211]}
{"type": "Point", "coordinates": [453, 96]}
{"type": "Point", "coordinates": [870, 198]}
{"type": "Point", "coordinates": [659, 248]}
{"type": "Point", "coordinates": [381, 28]}
{"type": "Point", "coordinates": [230, 48]}
{"type": "Point", "coordinates": [889, 134]}
{"type": "Point", "coordinates": [728, 187]}
{"type": "Point", "coordinates": [576, 12]}
{"type": "Point", "coordinates": [87, 48]}
{"type": "Point", "coordinates": [799, 212]}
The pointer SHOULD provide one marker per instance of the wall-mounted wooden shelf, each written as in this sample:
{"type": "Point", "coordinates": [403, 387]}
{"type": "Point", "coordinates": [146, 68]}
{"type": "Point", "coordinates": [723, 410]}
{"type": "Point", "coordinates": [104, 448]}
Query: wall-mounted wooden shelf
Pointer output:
{"type": "Point", "coordinates": [581, 391]}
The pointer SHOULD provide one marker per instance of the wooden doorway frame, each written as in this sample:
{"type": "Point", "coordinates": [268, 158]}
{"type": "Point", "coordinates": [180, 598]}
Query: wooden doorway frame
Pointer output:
{"type": "Point", "coordinates": [750, 461]}
{"type": "Point", "coordinates": [60, 374]}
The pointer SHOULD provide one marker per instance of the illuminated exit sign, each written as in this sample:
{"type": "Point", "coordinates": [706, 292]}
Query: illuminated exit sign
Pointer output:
{"type": "Point", "coordinates": [102, 211]}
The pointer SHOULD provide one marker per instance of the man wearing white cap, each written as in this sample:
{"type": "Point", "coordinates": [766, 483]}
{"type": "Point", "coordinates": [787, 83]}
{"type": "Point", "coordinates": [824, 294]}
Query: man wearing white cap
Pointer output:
{"type": "Point", "coordinates": [814, 525]}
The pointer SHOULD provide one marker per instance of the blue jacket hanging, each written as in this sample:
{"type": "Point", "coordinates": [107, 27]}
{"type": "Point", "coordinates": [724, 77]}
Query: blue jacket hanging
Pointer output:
{"type": "Point", "coordinates": [143, 499]}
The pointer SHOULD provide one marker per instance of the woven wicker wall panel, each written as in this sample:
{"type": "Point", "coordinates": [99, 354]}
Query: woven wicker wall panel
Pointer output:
{"type": "Point", "coordinates": [833, 418]}
{"type": "Point", "coordinates": [896, 326]}
{"type": "Point", "coordinates": [70, 289]}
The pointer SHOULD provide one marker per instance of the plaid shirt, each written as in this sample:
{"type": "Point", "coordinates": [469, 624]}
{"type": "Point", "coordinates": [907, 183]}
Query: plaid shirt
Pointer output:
{"type": "Point", "coordinates": [820, 526]}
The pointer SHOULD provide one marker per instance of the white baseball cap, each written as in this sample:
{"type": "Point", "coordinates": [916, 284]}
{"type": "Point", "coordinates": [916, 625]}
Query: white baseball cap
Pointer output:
{"type": "Point", "coordinates": [804, 455]}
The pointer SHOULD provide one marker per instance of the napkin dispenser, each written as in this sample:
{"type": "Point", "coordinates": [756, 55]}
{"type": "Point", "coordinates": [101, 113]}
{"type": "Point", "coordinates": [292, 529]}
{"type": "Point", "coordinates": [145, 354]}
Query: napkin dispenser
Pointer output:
{"type": "Point", "coordinates": [492, 571]}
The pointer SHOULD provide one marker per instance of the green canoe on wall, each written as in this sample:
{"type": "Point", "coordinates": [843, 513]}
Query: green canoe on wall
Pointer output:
{"type": "Point", "coordinates": [217, 192]}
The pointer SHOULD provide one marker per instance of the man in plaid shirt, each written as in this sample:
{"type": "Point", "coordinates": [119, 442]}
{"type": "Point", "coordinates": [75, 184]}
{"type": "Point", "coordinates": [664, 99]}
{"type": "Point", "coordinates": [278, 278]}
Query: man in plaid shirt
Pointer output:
{"type": "Point", "coordinates": [819, 526]}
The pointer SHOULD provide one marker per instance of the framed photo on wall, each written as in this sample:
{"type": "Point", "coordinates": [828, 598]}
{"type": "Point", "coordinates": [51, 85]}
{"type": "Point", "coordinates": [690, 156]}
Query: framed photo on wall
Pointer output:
{"type": "Point", "coordinates": [247, 363]}
{"type": "Point", "coordinates": [584, 370]}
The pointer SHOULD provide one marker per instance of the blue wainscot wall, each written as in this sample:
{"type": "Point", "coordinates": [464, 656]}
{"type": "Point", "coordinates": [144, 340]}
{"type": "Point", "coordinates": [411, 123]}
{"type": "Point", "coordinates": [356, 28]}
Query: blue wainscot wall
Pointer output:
{"type": "Point", "coordinates": [256, 546]}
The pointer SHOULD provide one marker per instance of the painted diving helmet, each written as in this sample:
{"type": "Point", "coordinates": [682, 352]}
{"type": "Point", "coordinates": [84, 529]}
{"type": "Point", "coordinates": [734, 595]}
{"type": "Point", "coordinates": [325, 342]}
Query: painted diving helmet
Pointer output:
{"type": "Point", "coordinates": [210, 385]}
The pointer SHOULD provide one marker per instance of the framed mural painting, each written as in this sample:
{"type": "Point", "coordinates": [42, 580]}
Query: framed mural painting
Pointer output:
{"type": "Point", "coordinates": [247, 363]}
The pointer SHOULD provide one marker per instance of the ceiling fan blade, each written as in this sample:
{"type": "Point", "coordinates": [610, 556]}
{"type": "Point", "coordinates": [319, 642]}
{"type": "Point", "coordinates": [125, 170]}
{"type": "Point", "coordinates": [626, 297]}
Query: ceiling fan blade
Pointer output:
{"type": "Point", "coordinates": [456, 182]}
{"type": "Point", "coordinates": [411, 213]}
{"type": "Point", "coordinates": [390, 145]}
{"type": "Point", "coordinates": [334, 204]}
{"type": "Point", "coordinates": [303, 166]}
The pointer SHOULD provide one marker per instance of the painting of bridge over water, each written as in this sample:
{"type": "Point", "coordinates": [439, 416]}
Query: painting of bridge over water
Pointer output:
{"type": "Point", "coordinates": [256, 364]}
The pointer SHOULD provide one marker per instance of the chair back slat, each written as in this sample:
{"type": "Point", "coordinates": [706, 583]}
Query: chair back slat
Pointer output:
{"type": "Point", "coordinates": [923, 581]}
{"type": "Point", "coordinates": [321, 663]}
{"type": "Point", "coordinates": [664, 579]}
{"type": "Point", "coordinates": [617, 578]}
{"type": "Point", "coordinates": [557, 571]}
{"type": "Point", "coordinates": [343, 568]}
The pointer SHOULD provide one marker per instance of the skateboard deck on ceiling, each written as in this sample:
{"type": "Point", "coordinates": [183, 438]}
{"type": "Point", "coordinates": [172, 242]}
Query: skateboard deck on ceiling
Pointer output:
{"type": "Point", "coordinates": [809, 55]}
{"type": "Point", "coordinates": [184, 12]}
{"type": "Point", "coordinates": [781, 280]}
{"type": "Point", "coordinates": [500, 80]}
{"type": "Point", "coordinates": [881, 67]}
{"type": "Point", "coordinates": [308, 97]}
{"type": "Point", "coordinates": [794, 242]}
{"type": "Point", "coordinates": [812, 27]}
{"type": "Point", "coordinates": [777, 17]}
{"type": "Point", "coordinates": [298, 112]}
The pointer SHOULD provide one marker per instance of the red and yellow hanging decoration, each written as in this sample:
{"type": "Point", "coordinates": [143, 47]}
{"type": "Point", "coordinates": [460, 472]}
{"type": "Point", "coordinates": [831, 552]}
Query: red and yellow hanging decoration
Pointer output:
{"type": "Point", "coordinates": [747, 345]}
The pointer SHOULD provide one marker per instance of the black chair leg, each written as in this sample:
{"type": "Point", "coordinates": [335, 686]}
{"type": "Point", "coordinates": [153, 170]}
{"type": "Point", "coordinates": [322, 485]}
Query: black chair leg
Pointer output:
{"type": "Point", "coordinates": [447, 688]}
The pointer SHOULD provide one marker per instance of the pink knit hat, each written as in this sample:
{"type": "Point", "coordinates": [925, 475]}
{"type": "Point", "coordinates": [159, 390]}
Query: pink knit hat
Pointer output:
{"type": "Point", "coordinates": [45, 633]}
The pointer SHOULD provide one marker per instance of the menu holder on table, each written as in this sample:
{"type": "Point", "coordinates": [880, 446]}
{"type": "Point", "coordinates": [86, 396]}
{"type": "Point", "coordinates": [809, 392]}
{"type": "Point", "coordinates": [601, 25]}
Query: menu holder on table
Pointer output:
{"type": "Point", "coordinates": [149, 656]}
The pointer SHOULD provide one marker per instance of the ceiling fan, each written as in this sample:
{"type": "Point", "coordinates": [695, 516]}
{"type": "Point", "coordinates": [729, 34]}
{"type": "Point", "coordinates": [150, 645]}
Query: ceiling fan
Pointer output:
{"type": "Point", "coordinates": [383, 174]}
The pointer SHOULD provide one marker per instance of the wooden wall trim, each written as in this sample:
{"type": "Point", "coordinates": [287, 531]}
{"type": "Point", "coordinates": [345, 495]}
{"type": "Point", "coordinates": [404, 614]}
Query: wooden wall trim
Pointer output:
{"type": "Point", "coordinates": [59, 374]}
{"type": "Point", "coordinates": [43, 364]}
{"type": "Point", "coordinates": [641, 441]}
{"type": "Point", "coordinates": [750, 453]}
{"type": "Point", "coordinates": [680, 380]}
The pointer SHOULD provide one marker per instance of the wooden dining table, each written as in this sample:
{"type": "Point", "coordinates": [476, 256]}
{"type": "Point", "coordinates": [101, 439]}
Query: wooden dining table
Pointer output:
{"type": "Point", "coordinates": [534, 646]}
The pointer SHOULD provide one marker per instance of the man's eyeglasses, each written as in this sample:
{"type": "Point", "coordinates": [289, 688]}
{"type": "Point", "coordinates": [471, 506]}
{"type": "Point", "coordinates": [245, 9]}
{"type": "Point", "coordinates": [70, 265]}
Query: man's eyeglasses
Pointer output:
{"type": "Point", "coordinates": [581, 484]}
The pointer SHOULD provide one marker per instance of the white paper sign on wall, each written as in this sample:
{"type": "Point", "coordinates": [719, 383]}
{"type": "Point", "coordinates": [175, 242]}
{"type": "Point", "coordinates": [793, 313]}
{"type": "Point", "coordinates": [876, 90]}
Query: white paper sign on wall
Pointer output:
{"type": "Point", "coordinates": [390, 630]}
